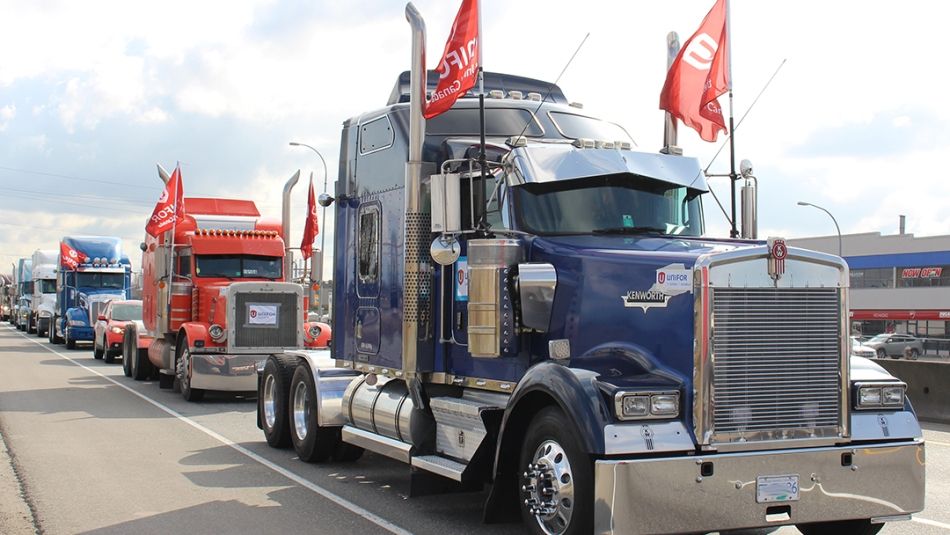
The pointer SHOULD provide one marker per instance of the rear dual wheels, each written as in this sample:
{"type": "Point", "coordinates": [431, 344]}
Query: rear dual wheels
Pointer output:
{"type": "Point", "coordinates": [275, 388]}
{"type": "Point", "coordinates": [312, 442]}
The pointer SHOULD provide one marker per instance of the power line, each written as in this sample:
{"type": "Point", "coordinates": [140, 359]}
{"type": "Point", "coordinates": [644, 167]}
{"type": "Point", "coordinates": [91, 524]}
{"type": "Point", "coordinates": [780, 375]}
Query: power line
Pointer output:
{"type": "Point", "coordinates": [67, 177]}
{"type": "Point", "coordinates": [60, 229]}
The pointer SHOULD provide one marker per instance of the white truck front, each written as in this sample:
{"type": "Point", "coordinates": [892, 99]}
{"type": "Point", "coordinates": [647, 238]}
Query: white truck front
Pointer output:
{"type": "Point", "coordinates": [44, 291]}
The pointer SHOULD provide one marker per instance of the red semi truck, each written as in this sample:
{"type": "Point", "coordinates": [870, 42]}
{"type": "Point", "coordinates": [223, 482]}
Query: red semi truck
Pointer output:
{"type": "Point", "coordinates": [217, 301]}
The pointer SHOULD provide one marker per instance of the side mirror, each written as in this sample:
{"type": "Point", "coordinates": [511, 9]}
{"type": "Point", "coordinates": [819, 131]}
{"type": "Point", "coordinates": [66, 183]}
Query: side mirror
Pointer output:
{"type": "Point", "coordinates": [325, 199]}
{"type": "Point", "coordinates": [101, 317]}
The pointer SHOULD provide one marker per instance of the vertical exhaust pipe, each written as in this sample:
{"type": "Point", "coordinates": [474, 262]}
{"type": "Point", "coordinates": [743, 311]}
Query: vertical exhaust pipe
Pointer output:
{"type": "Point", "coordinates": [903, 224]}
{"type": "Point", "coordinates": [750, 201]}
{"type": "Point", "coordinates": [163, 174]}
{"type": "Point", "coordinates": [285, 226]}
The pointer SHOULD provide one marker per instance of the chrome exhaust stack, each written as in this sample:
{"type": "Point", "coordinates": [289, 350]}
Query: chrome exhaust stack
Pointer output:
{"type": "Point", "coordinates": [750, 202]}
{"type": "Point", "coordinates": [285, 225]}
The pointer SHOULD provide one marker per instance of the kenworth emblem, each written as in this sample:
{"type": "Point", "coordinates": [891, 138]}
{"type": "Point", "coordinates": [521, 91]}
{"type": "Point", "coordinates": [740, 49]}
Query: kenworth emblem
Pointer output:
{"type": "Point", "coordinates": [778, 251]}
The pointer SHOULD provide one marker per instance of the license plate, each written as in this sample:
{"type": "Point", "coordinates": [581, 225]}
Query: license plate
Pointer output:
{"type": "Point", "coordinates": [776, 489]}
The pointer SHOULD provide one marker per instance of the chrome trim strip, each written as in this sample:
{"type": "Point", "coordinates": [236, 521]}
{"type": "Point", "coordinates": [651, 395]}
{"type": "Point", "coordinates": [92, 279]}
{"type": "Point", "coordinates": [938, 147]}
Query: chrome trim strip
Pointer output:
{"type": "Point", "coordinates": [393, 449]}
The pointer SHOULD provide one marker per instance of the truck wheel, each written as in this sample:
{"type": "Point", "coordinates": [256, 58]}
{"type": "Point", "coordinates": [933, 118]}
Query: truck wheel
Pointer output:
{"type": "Point", "coordinates": [127, 355]}
{"type": "Point", "coordinates": [96, 351]}
{"type": "Point", "coordinates": [142, 368]}
{"type": "Point", "coordinates": [274, 396]}
{"type": "Point", "coordinates": [30, 325]}
{"type": "Point", "coordinates": [183, 375]}
{"type": "Point", "coordinates": [109, 354]}
{"type": "Point", "coordinates": [53, 338]}
{"type": "Point", "coordinates": [844, 527]}
{"type": "Point", "coordinates": [557, 485]}
{"type": "Point", "coordinates": [313, 444]}
{"type": "Point", "coordinates": [70, 343]}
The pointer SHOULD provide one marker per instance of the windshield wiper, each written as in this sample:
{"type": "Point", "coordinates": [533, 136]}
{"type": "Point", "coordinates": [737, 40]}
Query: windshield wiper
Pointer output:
{"type": "Point", "coordinates": [630, 230]}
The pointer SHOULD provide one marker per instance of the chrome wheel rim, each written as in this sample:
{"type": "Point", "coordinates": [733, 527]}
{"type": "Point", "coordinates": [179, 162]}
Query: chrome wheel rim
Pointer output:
{"type": "Point", "coordinates": [301, 410]}
{"type": "Point", "coordinates": [548, 488]}
{"type": "Point", "coordinates": [270, 401]}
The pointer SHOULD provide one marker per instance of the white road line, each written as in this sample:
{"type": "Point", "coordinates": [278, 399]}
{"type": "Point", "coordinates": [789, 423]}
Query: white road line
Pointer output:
{"type": "Point", "coordinates": [929, 442]}
{"type": "Point", "coordinates": [933, 523]}
{"type": "Point", "coordinates": [342, 502]}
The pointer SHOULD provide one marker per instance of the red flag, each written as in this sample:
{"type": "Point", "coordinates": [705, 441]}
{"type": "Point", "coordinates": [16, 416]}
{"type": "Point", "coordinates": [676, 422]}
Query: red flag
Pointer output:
{"type": "Point", "coordinates": [458, 70]}
{"type": "Point", "coordinates": [170, 207]}
{"type": "Point", "coordinates": [69, 257]}
{"type": "Point", "coordinates": [310, 228]}
{"type": "Point", "coordinates": [699, 75]}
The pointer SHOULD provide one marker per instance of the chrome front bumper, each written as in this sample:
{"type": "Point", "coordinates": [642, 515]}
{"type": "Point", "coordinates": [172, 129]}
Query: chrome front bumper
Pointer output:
{"type": "Point", "coordinates": [669, 495]}
{"type": "Point", "coordinates": [233, 373]}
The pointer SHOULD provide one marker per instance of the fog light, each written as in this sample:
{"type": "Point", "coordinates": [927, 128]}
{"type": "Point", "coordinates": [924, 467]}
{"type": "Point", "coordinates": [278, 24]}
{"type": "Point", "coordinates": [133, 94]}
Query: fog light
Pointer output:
{"type": "Point", "coordinates": [217, 332]}
{"type": "Point", "coordinates": [664, 405]}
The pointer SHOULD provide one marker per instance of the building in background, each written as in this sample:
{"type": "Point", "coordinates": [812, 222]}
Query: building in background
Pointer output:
{"type": "Point", "coordinates": [899, 283]}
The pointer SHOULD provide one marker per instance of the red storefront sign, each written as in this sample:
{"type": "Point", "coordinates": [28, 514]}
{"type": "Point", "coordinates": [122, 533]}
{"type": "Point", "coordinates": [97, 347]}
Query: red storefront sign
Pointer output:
{"type": "Point", "coordinates": [923, 273]}
{"type": "Point", "coordinates": [900, 315]}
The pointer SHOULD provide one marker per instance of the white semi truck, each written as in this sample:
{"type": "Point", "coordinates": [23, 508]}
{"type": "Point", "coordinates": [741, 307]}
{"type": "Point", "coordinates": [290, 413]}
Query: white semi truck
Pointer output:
{"type": "Point", "coordinates": [44, 291]}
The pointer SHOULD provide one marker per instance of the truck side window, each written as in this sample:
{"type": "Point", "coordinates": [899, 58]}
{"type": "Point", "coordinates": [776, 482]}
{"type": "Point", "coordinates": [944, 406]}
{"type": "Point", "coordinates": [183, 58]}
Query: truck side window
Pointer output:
{"type": "Point", "coordinates": [183, 263]}
{"type": "Point", "coordinates": [369, 244]}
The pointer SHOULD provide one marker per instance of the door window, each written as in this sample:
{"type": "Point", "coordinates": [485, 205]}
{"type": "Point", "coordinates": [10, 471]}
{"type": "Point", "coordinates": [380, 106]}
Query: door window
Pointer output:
{"type": "Point", "coordinates": [368, 248]}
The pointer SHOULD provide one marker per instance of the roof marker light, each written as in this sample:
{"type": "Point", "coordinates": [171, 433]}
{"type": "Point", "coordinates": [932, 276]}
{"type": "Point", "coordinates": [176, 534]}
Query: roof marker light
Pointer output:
{"type": "Point", "coordinates": [496, 93]}
{"type": "Point", "coordinates": [577, 105]}
{"type": "Point", "coordinates": [515, 95]}
{"type": "Point", "coordinates": [534, 96]}
{"type": "Point", "coordinates": [517, 141]}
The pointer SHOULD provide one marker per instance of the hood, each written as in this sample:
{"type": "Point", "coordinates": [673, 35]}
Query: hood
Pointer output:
{"type": "Point", "coordinates": [94, 302]}
{"type": "Point", "coordinates": [45, 302]}
{"type": "Point", "coordinates": [632, 294]}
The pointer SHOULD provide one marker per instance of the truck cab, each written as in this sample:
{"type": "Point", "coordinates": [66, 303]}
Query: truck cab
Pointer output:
{"type": "Point", "coordinates": [102, 273]}
{"type": "Point", "coordinates": [23, 278]}
{"type": "Point", "coordinates": [44, 291]}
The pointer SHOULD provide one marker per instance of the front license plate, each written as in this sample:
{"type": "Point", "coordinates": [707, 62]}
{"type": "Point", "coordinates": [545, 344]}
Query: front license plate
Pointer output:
{"type": "Point", "coordinates": [776, 489]}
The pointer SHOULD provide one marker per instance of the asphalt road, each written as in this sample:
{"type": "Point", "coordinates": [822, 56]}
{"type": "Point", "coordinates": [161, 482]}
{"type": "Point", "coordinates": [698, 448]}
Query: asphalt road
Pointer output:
{"type": "Point", "coordinates": [99, 453]}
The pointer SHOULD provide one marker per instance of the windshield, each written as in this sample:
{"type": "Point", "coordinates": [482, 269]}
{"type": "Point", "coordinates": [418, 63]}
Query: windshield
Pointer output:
{"type": "Point", "coordinates": [46, 286]}
{"type": "Point", "coordinates": [238, 266]}
{"type": "Point", "coordinates": [112, 281]}
{"type": "Point", "coordinates": [613, 204]}
{"type": "Point", "coordinates": [127, 312]}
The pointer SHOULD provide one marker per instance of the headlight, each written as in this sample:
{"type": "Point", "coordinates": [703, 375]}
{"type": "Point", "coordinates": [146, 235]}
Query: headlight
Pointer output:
{"type": "Point", "coordinates": [217, 332]}
{"type": "Point", "coordinates": [45, 314]}
{"type": "Point", "coordinates": [641, 405]}
{"type": "Point", "coordinates": [314, 331]}
{"type": "Point", "coordinates": [879, 395]}
{"type": "Point", "coordinates": [117, 330]}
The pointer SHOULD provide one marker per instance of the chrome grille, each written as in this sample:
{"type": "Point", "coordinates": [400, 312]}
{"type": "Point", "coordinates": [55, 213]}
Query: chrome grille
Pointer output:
{"type": "Point", "coordinates": [282, 334]}
{"type": "Point", "coordinates": [776, 360]}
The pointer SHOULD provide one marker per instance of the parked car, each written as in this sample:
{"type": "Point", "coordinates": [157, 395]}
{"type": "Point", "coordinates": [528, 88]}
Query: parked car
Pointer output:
{"type": "Point", "coordinates": [110, 327]}
{"type": "Point", "coordinates": [859, 349]}
{"type": "Point", "coordinates": [896, 345]}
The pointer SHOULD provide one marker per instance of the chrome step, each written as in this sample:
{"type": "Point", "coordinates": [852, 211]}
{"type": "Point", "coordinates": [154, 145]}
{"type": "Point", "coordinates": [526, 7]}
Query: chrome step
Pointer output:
{"type": "Point", "coordinates": [439, 466]}
{"type": "Point", "coordinates": [394, 449]}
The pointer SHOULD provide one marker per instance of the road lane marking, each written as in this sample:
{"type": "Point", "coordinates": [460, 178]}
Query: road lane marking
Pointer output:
{"type": "Point", "coordinates": [933, 523]}
{"type": "Point", "coordinates": [936, 442]}
{"type": "Point", "coordinates": [339, 500]}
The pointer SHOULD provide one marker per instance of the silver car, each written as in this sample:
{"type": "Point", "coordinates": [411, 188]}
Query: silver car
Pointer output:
{"type": "Point", "coordinates": [858, 349]}
{"type": "Point", "coordinates": [896, 346]}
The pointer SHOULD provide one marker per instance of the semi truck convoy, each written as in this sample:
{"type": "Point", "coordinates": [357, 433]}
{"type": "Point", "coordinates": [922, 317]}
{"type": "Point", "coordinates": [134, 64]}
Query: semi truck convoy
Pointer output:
{"type": "Point", "coordinates": [555, 323]}
{"type": "Point", "coordinates": [23, 278]}
{"type": "Point", "coordinates": [92, 270]}
{"type": "Point", "coordinates": [224, 306]}
{"type": "Point", "coordinates": [44, 291]}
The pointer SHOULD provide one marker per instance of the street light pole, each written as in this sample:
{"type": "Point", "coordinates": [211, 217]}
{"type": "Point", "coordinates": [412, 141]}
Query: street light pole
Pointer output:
{"type": "Point", "coordinates": [803, 203]}
{"type": "Point", "coordinates": [323, 223]}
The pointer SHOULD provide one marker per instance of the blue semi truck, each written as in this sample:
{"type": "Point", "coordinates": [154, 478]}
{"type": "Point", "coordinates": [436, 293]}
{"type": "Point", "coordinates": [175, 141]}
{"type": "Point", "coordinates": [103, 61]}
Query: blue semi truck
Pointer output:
{"type": "Point", "coordinates": [97, 272]}
{"type": "Point", "coordinates": [552, 321]}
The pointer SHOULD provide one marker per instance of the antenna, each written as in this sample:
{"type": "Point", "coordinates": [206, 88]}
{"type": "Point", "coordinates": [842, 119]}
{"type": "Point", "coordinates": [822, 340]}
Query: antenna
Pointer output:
{"type": "Point", "coordinates": [554, 84]}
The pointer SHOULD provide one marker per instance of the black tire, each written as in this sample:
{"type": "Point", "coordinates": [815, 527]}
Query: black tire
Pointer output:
{"type": "Point", "coordinates": [70, 344]}
{"type": "Point", "coordinates": [53, 339]}
{"type": "Point", "coordinates": [109, 355]}
{"type": "Point", "coordinates": [183, 374]}
{"type": "Point", "coordinates": [30, 325]}
{"type": "Point", "coordinates": [552, 447]}
{"type": "Point", "coordinates": [273, 398]}
{"type": "Point", "coordinates": [313, 444]}
{"type": "Point", "coordinates": [914, 354]}
{"type": "Point", "coordinates": [881, 353]}
{"type": "Point", "coordinates": [142, 368]}
{"type": "Point", "coordinates": [97, 352]}
{"type": "Point", "coordinates": [843, 527]}
{"type": "Point", "coordinates": [127, 355]}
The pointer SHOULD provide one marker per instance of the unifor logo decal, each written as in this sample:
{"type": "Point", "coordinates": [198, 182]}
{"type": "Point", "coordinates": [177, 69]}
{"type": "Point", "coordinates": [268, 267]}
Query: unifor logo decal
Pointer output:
{"type": "Point", "coordinates": [661, 277]}
{"type": "Point", "coordinates": [701, 51]}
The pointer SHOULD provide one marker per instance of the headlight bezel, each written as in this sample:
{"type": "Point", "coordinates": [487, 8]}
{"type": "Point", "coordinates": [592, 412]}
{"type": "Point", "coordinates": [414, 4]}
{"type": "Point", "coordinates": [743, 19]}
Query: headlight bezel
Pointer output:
{"type": "Point", "coordinates": [871, 395]}
{"type": "Point", "coordinates": [655, 405]}
{"type": "Point", "coordinates": [217, 333]}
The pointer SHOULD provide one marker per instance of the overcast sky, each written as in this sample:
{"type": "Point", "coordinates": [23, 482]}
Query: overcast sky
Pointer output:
{"type": "Point", "coordinates": [93, 94]}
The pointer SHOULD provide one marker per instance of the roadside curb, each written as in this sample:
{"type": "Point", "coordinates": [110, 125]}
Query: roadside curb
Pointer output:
{"type": "Point", "coordinates": [16, 516]}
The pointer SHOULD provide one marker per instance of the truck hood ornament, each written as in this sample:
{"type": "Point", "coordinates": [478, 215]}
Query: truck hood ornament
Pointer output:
{"type": "Point", "coordinates": [778, 251]}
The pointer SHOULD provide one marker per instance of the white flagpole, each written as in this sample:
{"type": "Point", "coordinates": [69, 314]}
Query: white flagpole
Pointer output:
{"type": "Point", "coordinates": [171, 249]}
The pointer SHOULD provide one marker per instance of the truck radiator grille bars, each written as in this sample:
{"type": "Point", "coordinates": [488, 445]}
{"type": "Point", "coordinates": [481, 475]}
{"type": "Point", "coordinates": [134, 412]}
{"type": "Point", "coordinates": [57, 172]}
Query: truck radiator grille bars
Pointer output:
{"type": "Point", "coordinates": [265, 320]}
{"type": "Point", "coordinates": [776, 363]}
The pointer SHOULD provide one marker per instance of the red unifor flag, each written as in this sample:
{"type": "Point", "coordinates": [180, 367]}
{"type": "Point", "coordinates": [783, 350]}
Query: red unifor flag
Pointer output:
{"type": "Point", "coordinates": [699, 75]}
{"type": "Point", "coordinates": [170, 207]}
{"type": "Point", "coordinates": [69, 257]}
{"type": "Point", "coordinates": [310, 228]}
{"type": "Point", "coordinates": [458, 70]}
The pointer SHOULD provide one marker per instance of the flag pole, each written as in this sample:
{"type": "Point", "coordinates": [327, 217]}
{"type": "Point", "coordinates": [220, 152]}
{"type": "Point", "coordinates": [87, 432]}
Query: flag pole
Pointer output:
{"type": "Point", "coordinates": [171, 250]}
{"type": "Point", "coordinates": [482, 160]}
{"type": "Point", "coordinates": [733, 233]}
